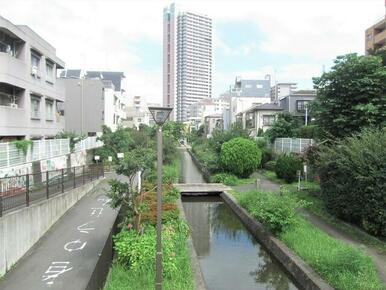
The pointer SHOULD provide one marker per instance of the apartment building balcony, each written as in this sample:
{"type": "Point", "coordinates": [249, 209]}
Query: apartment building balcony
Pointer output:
{"type": "Point", "coordinates": [380, 38]}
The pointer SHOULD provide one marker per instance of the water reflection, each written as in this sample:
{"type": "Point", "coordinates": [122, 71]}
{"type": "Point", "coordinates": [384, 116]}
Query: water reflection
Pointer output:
{"type": "Point", "coordinates": [230, 257]}
{"type": "Point", "coordinates": [189, 171]}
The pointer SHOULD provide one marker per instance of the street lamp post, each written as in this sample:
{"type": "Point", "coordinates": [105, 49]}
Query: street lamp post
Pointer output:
{"type": "Point", "coordinates": [160, 115]}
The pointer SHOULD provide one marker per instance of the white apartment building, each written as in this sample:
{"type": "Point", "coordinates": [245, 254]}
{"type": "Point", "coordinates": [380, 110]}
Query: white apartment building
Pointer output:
{"type": "Point", "coordinates": [138, 113]}
{"type": "Point", "coordinates": [31, 97]}
{"type": "Point", "coordinates": [187, 60]}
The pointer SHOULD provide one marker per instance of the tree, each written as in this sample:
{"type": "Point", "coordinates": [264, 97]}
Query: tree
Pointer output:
{"type": "Point", "coordinates": [240, 156]}
{"type": "Point", "coordinates": [285, 126]}
{"type": "Point", "coordinates": [353, 179]}
{"type": "Point", "coordinates": [351, 96]}
{"type": "Point", "coordinates": [115, 142]}
{"type": "Point", "coordinates": [174, 129]}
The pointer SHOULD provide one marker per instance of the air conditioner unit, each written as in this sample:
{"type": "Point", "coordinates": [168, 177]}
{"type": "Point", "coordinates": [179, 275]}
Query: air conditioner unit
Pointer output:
{"type": "Point", "coordinates": [14, 105]}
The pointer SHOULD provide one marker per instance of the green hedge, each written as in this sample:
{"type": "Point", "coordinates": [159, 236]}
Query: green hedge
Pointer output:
{"type": "Point", "coordinates": [353, 180]}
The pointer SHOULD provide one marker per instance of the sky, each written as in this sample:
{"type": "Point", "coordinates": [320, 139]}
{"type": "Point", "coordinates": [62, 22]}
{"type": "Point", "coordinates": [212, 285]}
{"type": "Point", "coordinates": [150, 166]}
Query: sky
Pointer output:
{"type": "Point", "coordinates": [292, 40]}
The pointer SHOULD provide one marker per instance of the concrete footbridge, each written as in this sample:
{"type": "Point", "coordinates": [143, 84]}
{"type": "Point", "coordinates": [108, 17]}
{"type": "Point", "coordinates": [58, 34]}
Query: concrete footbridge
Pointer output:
{"type": "Point", "coordinates": [201, 188]}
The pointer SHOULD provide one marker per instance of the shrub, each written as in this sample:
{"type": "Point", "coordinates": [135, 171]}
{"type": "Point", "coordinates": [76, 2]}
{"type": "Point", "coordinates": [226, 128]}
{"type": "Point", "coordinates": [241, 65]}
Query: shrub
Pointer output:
{"type": "Point", "coordinates": [277, 212]}
{"type": "Point", "coordinates": [240, 156]}
{"type": "Point", "coordinates": [225, 178]}
{"type": "Point", "coordinates": [270, 165]}
{"type": "Point", "coordinates": [353, 179]}
{"type": "Point", "coordinates": [207, 157]}
{"type": "Point", "coordinates": [287, 166]}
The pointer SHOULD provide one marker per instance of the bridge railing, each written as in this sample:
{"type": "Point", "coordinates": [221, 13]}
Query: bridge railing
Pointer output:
{"type": "Point", "coordinates": [22, 190]}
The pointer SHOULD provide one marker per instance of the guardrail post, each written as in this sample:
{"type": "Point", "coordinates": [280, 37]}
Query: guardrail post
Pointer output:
{"type": "Point", "coordinates": [74, 176]}
{"type": "Point", "coordinates": [1, 204]}
{"type": "Point", "coordinates": [27, 189]}
{"type": "Point", "coordinates": [83, 174]}
{"type": "Point", "coordinates": [62, 179]}
{"type": "Point", "coordinates": [47, 184]}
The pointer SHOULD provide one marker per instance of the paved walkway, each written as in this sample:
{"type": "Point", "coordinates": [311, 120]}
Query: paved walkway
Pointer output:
{"type": "Point", "coordinates": [378, 257]}
{"type": "Point", "coordinates": [66, 256]}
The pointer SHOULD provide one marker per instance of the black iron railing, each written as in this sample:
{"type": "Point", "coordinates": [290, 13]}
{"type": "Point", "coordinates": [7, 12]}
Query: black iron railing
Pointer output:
{"type": "Point", "coordinates": [22, 190]}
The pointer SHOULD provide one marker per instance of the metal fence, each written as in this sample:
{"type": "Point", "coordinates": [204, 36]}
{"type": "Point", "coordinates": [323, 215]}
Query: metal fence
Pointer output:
{"type": "Point", "coordinates": [22, 190]}
{"type": "Point", "coordinates": [40, 149]}
{"type": "Point", "coordinates": [88, 143]}
{"type": "Point", "coordinates": [294, 145]}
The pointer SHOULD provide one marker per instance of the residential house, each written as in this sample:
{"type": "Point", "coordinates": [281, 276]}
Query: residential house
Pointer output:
{"type": "Point", "coordinates": [297, 104]}
{"type": "Point", "coordinates": [31, 97]}
{"type": "Point", "coordinates": [213, 122]}
{"type": "Point", "coordinates": [259, 117]}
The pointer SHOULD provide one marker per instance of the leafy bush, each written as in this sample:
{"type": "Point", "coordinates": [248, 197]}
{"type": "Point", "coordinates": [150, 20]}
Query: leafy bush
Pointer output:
{"type": "Point", "coordinates": [207, 157]}
{"type": "Point", "coordinates": [136, 251]}
{"type": "Point", "coordinates": [285, 126]}
{"type": "Point", "coordinates": [225, 178]}
{"type": "Point", "coordinates": [353, 179]}
{"type": "Point", "coordinates": [169, 174]}
{"type": "Point", "coordinates": [287, 166]}
{"type": "Point", "coordinates": [270, 165]}
{"type": "Point", "coordinates": [308, 132]}
{"type": "Point", "coordinates": [240, 156]}
{"type": "Point", "coordinates": [277, 212]}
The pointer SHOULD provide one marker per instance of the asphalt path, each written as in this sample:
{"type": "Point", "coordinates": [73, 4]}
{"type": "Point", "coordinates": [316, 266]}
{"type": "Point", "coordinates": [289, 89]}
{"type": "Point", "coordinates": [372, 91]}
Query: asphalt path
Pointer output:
{"type": "Point", "coordinates": [66, 256]}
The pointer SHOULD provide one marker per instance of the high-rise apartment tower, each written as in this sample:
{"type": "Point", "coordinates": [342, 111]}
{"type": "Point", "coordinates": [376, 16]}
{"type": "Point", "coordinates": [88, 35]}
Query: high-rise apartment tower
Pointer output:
{"type": "Point", "coordinates": [187, 60]}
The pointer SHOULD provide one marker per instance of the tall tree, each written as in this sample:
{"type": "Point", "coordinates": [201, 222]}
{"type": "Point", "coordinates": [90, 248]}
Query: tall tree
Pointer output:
{"type": "Point", "coordinates": [351, 96]}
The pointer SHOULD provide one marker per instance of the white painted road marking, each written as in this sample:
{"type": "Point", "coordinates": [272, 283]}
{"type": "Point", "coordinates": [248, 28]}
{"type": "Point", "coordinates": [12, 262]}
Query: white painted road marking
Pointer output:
{"type": "Point", "coordinates": [84, 229]}
{"type": "Point", "coordinates": [104, 200]}
{"type": "Point", "coordinates": [95, 210]}
{"type": "Point", "coordinates": [57, 268]}
{"type": "Point", "coordinates": [69, 248]}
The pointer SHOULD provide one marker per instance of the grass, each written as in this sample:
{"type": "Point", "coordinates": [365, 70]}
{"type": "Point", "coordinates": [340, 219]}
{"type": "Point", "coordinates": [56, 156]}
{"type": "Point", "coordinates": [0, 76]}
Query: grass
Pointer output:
{"type": "Point", "coordinates": [317, 207]}
{"type": "Point", "coordinates": [342, 266]}
{"type": "Point", "coordinates": [122, 278]}
{"type": "Point", "coordinates": [271, 176]}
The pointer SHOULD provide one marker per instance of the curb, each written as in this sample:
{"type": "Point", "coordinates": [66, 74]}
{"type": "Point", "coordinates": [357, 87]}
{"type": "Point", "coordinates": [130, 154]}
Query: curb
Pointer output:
{"type": "Point", "coordinates": [303, 274]}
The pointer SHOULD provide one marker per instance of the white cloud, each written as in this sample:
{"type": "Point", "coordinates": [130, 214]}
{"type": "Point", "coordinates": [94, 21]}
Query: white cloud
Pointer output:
{"type": "Point", "coordinates": [101, 34]}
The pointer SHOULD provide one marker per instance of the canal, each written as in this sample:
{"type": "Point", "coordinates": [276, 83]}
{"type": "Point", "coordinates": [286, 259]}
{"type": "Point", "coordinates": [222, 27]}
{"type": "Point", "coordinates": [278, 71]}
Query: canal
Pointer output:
{"type": "Point", "coordinates": [230, 257]}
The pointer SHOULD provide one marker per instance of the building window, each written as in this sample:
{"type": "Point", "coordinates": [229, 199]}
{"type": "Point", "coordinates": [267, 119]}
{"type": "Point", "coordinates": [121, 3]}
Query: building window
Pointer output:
{"type": "Point", "coordinates": [268, 120]}
{"type": "Point", "coordinates": [35, 59]}
{"type": "Point", "coordinates": [49, 110]}
{"type": "Point", "coordinates": [35, 107]}
{"type": "Point", "coordinates": [49, 71]}
{"type": "Point", "coordinates": [301, 105]}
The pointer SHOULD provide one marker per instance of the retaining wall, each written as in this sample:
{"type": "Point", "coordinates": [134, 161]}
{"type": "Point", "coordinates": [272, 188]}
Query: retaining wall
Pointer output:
{"type": "Point", "coordinates": [21, 229]}
{"type": "Point", "coordinates": [304, 275]}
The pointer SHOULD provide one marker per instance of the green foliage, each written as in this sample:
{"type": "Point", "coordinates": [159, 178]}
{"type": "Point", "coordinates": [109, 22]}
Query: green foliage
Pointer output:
{"type": "Point", "coordinates": [342, 266]}
{"type": "Point", "coordinates": [240, 156]}
{"type": "Point", "coordinates": [286, 126]}
{"type": "Point", "coordinates": [73, 136]}
{"type": "Point", "coordinates": [22, 145]}
{"type": "Point", "coordinates": [270, 165]}
{"type": "Point", "coordinates": [287, 166]}
{"type": "Point", "coordinates": [219, 137]}
{"type": "Point", "coordinates": [225, 178]}
{"type": "Point", "coordinates": [115, 142]}
{"type": "Point", "coordinates": [169, 149]}
{"type": "Point", "coordinates": [138, 159]}
{"type": "Point", "coordinates": [117, 192]}
{"type": "Point", "coordinates": [170, 174]}
{"type": "Point", "coordinates": [136, 251]}
{"type": "Point", "coordinates": [353, 179]}
{"type": "Point", "coordinates": [174, 130]}
{"type": "Point", "coordinates": [351, 96]}
{"type": "Point", "coordinates": [208, 158]}
{"type": "Point", "coordinates": [277, 212]}
{"type": "Point", "coordinates": [306, 132]}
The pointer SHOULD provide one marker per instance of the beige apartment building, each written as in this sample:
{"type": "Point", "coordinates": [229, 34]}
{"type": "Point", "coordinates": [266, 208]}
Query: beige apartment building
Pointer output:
{"type": "Point", "coordinates": [375, 36]}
